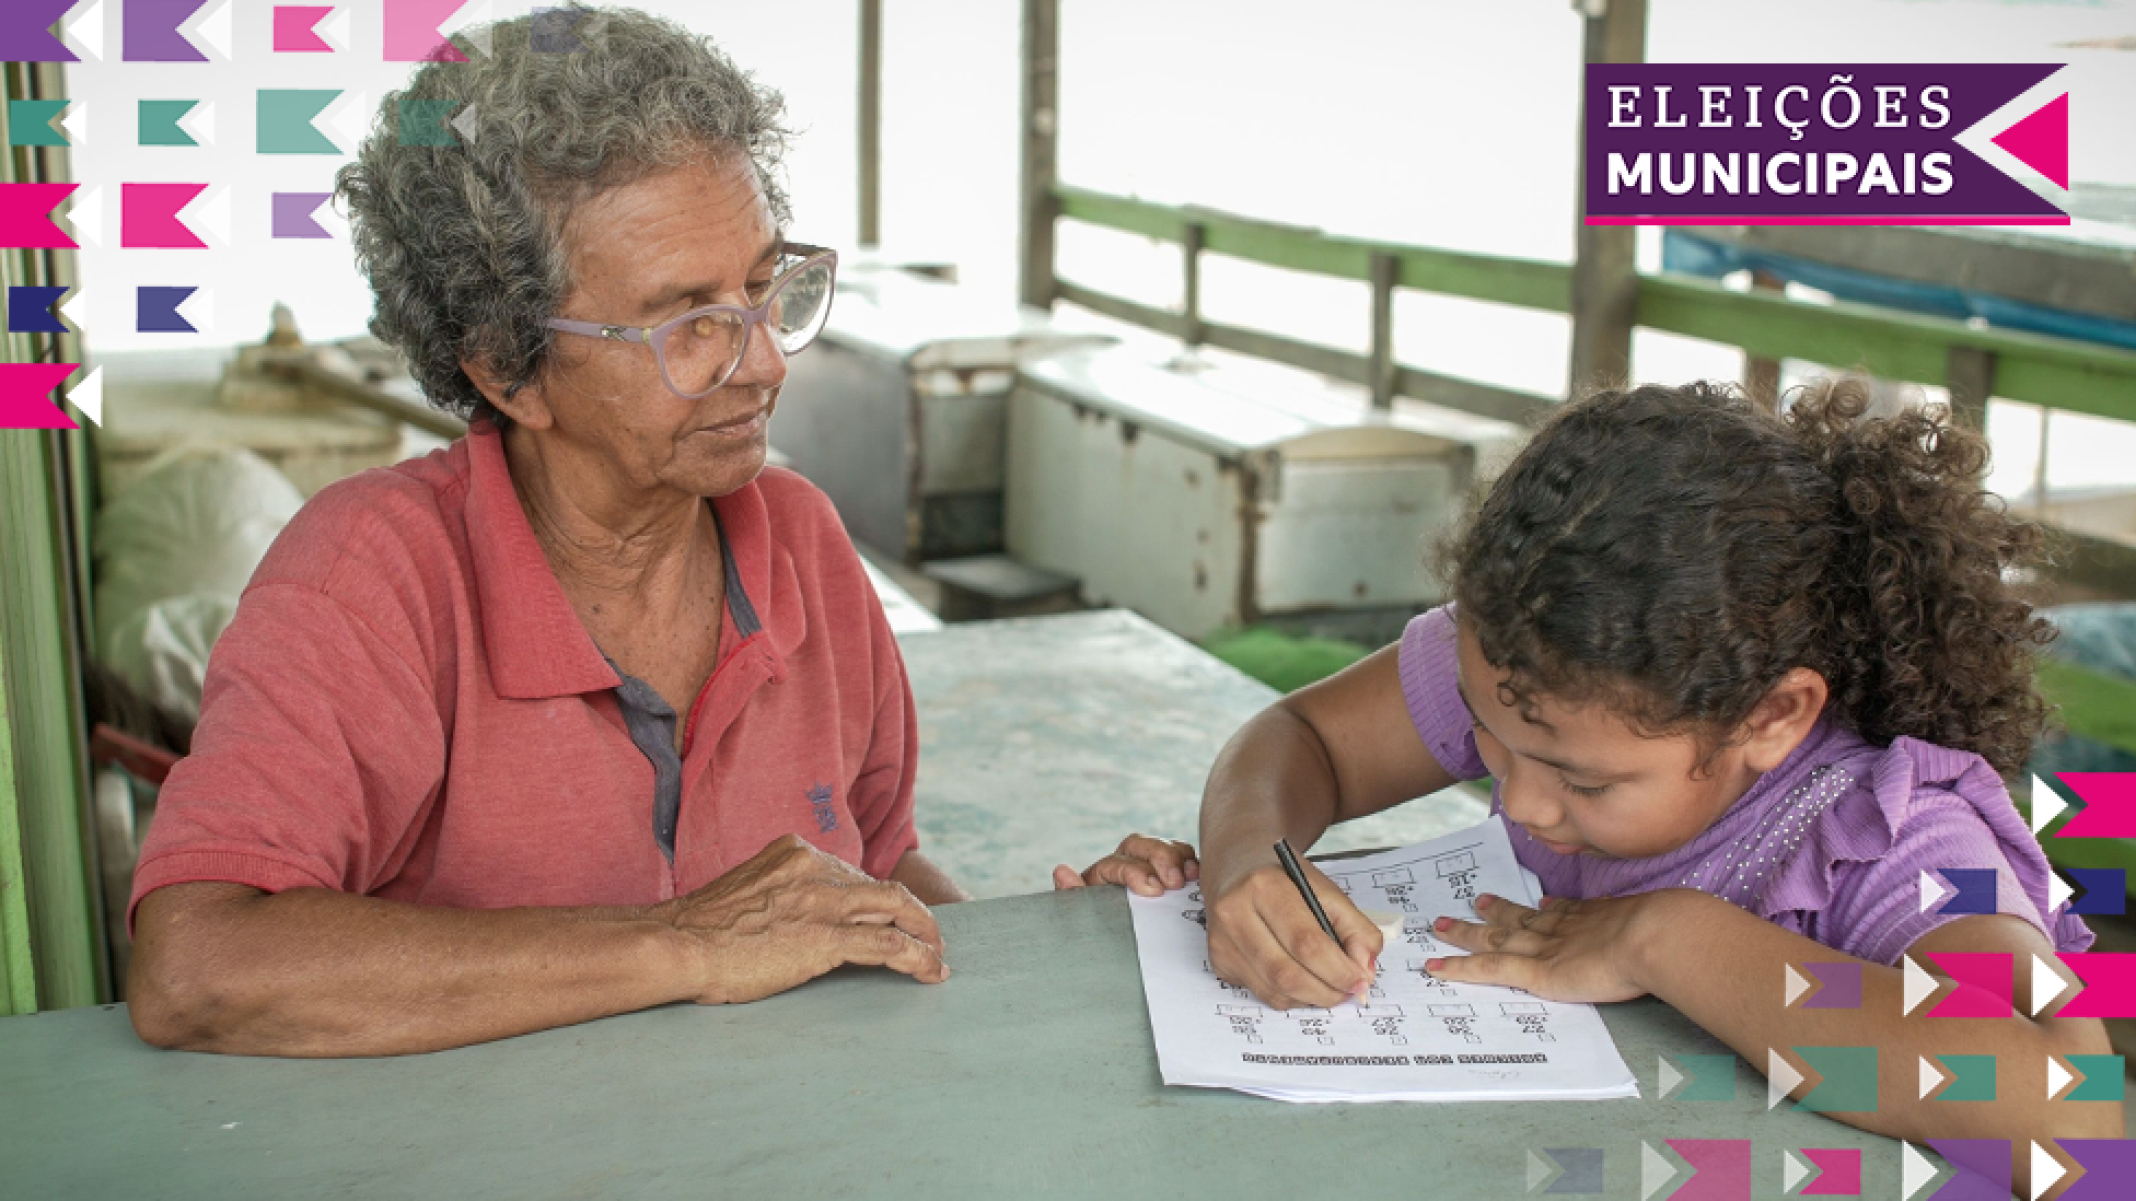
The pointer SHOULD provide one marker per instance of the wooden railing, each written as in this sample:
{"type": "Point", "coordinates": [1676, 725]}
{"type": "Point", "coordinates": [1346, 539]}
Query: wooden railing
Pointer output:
{"type": "Point", "coordinates": [2057, 373]}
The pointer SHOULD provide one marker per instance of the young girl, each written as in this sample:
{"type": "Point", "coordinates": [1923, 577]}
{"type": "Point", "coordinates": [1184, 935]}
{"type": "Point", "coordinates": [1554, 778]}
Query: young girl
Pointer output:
{"type": "Point", "coordinates": [1739, 681]}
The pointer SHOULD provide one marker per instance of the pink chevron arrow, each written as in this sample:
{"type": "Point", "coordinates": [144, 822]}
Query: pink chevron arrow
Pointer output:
{"type": "Point", "coordinates": [294, 32]}
{"type": "Point", "coordinates": [1720, 1169]}
{"type": "Point", "coordinates": [2109, 804]}
{"type": "Point", "coordinates": [26, 396]}
{"type": "Point", "coordinates": [26, 216]}
{"type": "Point", "coordinates": [2041, 140]}
{"type": "Point", "coordinates": [148, 216]}
{"type": "Point", "coordinates": [2109, 989]}
{"type": "Point", "coordinates": [1985, 982]}
{"type": "Point", "coordinates": [1839, 1171]}
{"type": "Point", "coordinates": [412, 31]}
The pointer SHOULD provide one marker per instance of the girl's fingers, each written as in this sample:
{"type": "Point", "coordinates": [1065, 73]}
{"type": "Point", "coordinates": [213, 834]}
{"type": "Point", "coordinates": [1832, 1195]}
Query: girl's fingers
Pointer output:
{"type": "Point", "coordinates": [1501, 912]}
{"type": "Point", "coordinates": [1477, 938]}
{"type": "Point", "coordinates": [1065, 877]}
{"type": "Point", "coordinates": [1309, 965]}
{"type": "Point", "coordinates": [1135, 875]}
{"type": "Point", "coordinates": [1165, 857]}
{"type": "Point", "coordinates": [1512, 971]}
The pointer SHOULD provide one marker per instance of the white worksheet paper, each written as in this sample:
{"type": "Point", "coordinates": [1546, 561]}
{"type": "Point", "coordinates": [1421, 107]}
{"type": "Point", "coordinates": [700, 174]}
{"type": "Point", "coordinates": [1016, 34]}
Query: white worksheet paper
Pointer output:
{"type": "Point", "coordinates": [1418, 1039]}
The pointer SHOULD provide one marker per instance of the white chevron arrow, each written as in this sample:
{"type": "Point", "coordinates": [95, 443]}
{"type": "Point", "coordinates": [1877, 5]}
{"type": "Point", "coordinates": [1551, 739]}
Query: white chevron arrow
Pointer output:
{"type": "Point", "coordinates": [1792, 1171]}
{"type": "Point", "coordinates": [1538, 1171]}
{"type": "Point", "coordinates": [1919, 985]}
{"type": "Point", "coordinates": [1796, 986]}
{"type": "Point", "coordinates": [2058, 890]}
{"type": "Point", "coordinates": [1655, 1170]}
{"type": "Point", "coordinates": [1931, 1077]}
{"type": "Point", "coordinates": [1670, 1078]}
{"type": "Point", "coordinates": [352, 117]}
{"type": "Point", "coordinates": [1933, 892]}
{"type": "Point", "coordinates": [76, 122]}
{"type": "Point", "coordinates": [2046, 1170]}
{"type": "Point", "coordinates": [2058, 1077]}
{"type": "Point", "coordinates": [199, 123]}
{"type": "Point", "coordinates": [84, 34]}
{"type": "Point", "coordinates": [210, 30]}
{"type": "Point", "coordinates": [2047, 804]}
{"type": "Point", "coordinates": [1914, 1171]}
{"type": "Point", "coordinates": [74, 296]}
{"type": "Point", "coordinates": [1780, 1078]}
{"type": "Point", "coordinates": [334, 30]}
{"type": "Point", "coordinates": [88, 396]}
{"type": "Point", "coordinates": [475, 13]}
{"type": "Point", "coordinates": [86, 216]}
{"type": "Point", "coordinates": [199, 310]}
{"type": "Point", "coordinates": [2047, 984]}
{"type": "Point", "coordinates": [211, 216]}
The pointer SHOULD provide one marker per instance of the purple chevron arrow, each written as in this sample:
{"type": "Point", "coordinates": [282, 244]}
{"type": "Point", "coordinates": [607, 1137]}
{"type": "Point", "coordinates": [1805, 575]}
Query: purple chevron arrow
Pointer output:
{"type": "Point", "coordinates": [149, 32]}
{"type": "Point", "coordinates": [1982, 1169]}
{"type": "Point", "coordinates": [1842, 985]}
{"type": "Point", "coordinates": [25, 32]}
{"type": "Point", "coordinates": [293, 214]}
{"type": "Point", "coordinates": [2108, 1165]}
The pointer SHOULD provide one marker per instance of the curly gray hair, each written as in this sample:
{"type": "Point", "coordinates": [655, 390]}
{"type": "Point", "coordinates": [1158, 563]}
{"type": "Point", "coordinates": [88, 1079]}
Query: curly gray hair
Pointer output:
{"type": "Point", "coordinates": [462, 243]}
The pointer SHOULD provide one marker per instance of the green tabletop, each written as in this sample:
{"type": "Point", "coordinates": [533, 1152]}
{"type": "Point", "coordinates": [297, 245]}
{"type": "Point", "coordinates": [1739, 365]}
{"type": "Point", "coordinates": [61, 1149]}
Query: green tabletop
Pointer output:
{"type": "Point", "coordinates": [1029, 1074]}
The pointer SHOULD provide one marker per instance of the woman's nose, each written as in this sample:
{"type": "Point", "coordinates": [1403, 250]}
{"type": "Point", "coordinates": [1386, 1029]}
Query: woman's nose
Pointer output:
{"type": "Point", "coordinates": [763, 364]}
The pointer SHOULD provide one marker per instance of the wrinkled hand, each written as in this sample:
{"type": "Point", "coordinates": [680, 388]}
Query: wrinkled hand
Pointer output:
{"type": "Point", "coordinates": [1262, 936]}
{"type": "Point", "coordinates": [1563, 951]}
{"type": "Point", "coordinates": [1146, 865]}
{"type": "Point", "coordinates": [793, 913]}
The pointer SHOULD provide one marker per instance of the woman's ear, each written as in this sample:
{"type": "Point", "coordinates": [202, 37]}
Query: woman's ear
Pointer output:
{"type": "Point", "coordinates": [525, 405]}
{"type": "Point", "coordinates": [1782, 719]}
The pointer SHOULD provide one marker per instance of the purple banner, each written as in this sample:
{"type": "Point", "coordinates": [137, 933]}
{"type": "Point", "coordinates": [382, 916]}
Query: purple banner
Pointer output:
{"type": "Point", "coordinates": [1813, 144]}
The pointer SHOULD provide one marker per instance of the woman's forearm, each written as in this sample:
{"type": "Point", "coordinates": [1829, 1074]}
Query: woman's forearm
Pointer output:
{"type": "Point", "coordinates": [310, 972]}
{"type": "Point", "coordinates": [1723, 968]}
{"type": "Point", "coordinates": [925, 880]}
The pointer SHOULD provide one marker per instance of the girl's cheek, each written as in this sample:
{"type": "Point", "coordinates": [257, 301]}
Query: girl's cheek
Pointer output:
{"type": "Point", "coordinates": [1488, 750]}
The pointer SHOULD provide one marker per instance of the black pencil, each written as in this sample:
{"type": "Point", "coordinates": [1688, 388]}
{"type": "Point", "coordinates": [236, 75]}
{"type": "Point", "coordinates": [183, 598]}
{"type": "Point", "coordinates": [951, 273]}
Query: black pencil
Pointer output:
{"type": "Point", "coordinates": [1289, 859]}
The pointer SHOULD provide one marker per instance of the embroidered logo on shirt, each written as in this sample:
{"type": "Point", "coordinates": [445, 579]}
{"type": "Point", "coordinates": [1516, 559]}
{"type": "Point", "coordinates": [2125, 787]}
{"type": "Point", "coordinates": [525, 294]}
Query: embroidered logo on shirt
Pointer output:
{"type": "Point", "coordinates": [819, 799]}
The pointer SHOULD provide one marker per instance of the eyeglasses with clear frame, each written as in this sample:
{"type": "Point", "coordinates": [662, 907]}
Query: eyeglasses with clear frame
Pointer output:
{"type": "Point", "coordinates": [701, 349]}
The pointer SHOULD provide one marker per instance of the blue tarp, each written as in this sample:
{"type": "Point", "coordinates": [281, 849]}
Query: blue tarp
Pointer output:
{"type": "Point", "coordinates": [1694, 255]}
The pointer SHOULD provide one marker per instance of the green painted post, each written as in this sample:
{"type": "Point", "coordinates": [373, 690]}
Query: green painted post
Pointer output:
{"type": "Point", "coordinates": [43, 787]}
{"type": "Point", "coordinates": [18, 974]}
{"type": "Point", "coordinates": [51, 943]}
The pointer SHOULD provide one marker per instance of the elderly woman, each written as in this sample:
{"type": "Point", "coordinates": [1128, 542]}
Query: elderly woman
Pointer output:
{"type": "Point", "coordinates": [589, 711]}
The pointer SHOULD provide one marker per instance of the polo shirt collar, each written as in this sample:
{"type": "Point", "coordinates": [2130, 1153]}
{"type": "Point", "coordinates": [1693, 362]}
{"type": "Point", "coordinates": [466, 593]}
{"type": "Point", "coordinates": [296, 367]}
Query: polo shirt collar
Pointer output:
{"type": "Point", "coordinates": [536, 644]}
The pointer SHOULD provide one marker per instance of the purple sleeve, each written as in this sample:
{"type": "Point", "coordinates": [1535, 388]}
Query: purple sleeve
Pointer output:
{"type": "Point", "coordinates": [1428, 668]}
{"type": "Point", "coordinates": [1875, 908]}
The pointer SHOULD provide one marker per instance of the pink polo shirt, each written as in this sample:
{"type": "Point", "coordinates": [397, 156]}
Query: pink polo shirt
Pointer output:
{"type": "Point", "coordinates": [406, 706]}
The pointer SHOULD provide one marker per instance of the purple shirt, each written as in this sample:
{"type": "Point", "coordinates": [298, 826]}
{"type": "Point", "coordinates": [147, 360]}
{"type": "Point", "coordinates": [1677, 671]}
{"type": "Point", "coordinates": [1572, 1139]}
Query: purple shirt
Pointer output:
{"type": "Point", "coordinates": [1831, 844]}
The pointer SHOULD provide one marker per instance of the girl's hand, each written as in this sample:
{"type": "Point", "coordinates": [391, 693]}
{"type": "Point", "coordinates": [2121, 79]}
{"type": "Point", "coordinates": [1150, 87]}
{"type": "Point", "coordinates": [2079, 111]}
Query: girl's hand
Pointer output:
{"type": "Point", "coordinates": [1143, 864]}
{"type": "Point", "coordinates": [1563, 951]}
{"type": "Point", "coordinates": [1263, 937]}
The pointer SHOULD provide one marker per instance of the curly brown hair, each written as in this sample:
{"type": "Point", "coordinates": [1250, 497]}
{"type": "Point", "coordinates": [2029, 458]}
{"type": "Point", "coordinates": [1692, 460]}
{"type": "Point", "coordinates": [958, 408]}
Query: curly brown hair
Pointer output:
{"type": "Point", "coordinates": [1673, 552]}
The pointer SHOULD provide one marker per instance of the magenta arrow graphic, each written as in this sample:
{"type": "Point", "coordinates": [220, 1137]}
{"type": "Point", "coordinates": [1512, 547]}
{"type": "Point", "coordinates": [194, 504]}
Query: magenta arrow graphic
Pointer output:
{"type": "Point", "coordinates": [26, 396]}
{"type": "Point", "coordinates": [2041, 141]}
